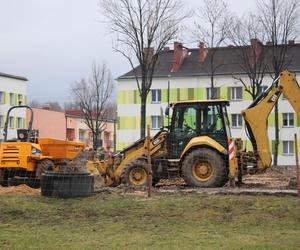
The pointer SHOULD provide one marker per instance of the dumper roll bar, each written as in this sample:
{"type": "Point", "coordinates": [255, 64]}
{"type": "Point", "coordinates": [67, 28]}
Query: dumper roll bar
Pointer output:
{"type": "Point", "coordinates": [7, 120]}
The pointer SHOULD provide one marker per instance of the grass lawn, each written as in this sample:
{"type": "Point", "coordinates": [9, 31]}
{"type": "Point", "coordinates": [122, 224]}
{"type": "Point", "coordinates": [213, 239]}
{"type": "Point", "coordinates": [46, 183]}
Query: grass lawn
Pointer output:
{"type": "Point", "coordinates": [162, 222]}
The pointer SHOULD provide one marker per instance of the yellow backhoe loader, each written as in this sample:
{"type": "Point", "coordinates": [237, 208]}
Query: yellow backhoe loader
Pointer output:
{"type": "Point", "coordinates": [25, 158]}
{"type": "Point", "coordinates": [198, 145]}
{"type": "Point", "coordinates": [194, 146]}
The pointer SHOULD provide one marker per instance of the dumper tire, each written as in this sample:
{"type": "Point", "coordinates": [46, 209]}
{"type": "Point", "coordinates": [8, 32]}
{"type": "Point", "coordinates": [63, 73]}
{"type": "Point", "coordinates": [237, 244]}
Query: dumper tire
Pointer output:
{"type": "Point", "coordinates": [43, 166]}
{"type": "Point", "coordinates": [205, 168]}
{"type": "Point", "coordinates": [3, 178]}
{"type": "Point", "coordinates": [135, 174]}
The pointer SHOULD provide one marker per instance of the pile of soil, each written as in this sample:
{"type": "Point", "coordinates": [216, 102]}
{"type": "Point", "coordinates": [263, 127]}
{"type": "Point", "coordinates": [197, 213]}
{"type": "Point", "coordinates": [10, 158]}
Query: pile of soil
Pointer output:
{"type": "Point", "coordinates": [19, 190]}
{"type": "Point", "coordinates": [78, 164]}
{"type": "Point", "coordinates": [272, 178]}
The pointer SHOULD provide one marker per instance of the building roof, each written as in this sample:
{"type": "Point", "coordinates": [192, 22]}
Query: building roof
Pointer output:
{"type": "Point", "coordinates": [228, 58]}
{"type": "Point", "coordinates": [75, 113]}
{"type": "Point", "coordinates": [13, 76]}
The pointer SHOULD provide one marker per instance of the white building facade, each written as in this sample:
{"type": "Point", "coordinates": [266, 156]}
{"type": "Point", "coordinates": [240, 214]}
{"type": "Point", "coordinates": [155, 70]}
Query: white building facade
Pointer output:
{"type": "Point", "coordinates": [13, 91]}
{"type": "Point", "coordinates": [188, 85]}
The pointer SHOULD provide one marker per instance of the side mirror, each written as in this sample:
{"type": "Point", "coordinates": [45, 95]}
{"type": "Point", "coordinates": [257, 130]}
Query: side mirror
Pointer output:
{"type": "Point", "coordinates": [167, 111]}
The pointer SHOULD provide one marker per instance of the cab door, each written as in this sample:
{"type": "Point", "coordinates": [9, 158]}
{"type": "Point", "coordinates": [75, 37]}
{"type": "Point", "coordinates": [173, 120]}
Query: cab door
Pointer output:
{"type": "Point", "coordinates": [184, 127]}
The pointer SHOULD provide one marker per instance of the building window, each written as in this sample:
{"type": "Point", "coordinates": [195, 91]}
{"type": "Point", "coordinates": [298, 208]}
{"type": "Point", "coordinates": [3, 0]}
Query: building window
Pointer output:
{"type": "Point", "coordinates": [19, 122]}
{"type": "Point", "coordinates": [11, 99]}
{"type": "Point", "coordinates": [288, 147]}
{"type": "Point", "coordinates": [1, 121]}
{"type": "Point", "coordinates": [2, 97]}
{"type": "Point", "coordinates": [261, 89]}
{"type": "Point", "coordinates": [213, 93]}
{"type": "Point", "coordinates": [236, 93]}
{"type": "Point", "coordinates": [11, 122]}
{"type": "Point", "coordinates": [236, 120]}
{"type": "Point", "coordinates": [81, 136]}
{"type": "Point", "coordinates": [20, 99]}
{"type": "Point", "coordinates": [156, 95]}
{"type": "Point", "coordinates": [288, 119]}
{"type": "Point", "coordinates": [155, 122]}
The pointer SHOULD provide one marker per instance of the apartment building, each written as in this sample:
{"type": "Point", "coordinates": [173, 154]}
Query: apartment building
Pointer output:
{"type": "Point", "coordinates": [69, 125]}
{"type": "Point", "coordinates": [187, 73]}
{"type": "Point", "coordinates": [77, 130]}
{"type": "Point", "coordinates": [13, 91]}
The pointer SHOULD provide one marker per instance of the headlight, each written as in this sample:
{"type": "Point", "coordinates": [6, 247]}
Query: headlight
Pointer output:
{"type": "Point", "coordinates": [35, 151]}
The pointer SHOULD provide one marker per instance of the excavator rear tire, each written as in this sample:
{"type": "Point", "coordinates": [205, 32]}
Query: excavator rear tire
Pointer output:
{"type": "Point", "coordinates": [135, 174]}
{"type": "Point", "coordinates": [205, 168]}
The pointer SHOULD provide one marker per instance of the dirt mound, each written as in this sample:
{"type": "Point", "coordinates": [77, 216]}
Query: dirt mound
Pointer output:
{"type": "Point", "coordinates": [273, 177]}
{"type": "Point", "coordinates": [78, 164]}
{"type": "Point", "coordinates": [19, 190]}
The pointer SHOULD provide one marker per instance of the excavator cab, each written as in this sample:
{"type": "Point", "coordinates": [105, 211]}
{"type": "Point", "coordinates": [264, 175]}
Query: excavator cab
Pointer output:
{"type": "Point", "coordinates": [193, 119]}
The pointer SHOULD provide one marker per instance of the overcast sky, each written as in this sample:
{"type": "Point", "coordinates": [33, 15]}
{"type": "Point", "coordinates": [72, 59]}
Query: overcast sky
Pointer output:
{"type": "Point", "coordinates": [54, 42]}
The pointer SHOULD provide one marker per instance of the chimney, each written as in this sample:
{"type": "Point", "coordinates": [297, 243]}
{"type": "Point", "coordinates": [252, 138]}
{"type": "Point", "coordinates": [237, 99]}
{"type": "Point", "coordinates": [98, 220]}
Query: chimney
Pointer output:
{"type": "Point", "coordinates": [149, 52]}
{"type": "Point", "coordinates": [291, 42]}
{"type": "Point", "coordinates": [178, 56]}
{"type": "Point", "coordinates": [202, 52]}
{"type": "Point", "coordinates": [256, 48]}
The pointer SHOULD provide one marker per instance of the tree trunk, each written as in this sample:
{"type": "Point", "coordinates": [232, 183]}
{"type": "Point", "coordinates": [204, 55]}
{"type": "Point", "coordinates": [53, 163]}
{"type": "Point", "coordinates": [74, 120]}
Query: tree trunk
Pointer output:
{"type": "Point", "coordinates": [212, 87]}
{"type": "Point", "coordinates": [143, 115]}
{"type": "Point", "coordinates": [96, 141]}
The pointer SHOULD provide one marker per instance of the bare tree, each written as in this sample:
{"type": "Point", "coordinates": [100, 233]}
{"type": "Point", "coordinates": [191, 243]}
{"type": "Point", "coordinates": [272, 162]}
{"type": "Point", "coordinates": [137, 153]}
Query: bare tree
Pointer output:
{"type": "Point", "coordinates": [211, 29]}
{"type": "Point", "coordinates": [143, 28]}
{"type": "Point", "coordinates": [280, 19]}
{"type": "Point", "coordinates": [51, 105]}
{"type": "Point", "coordinates": [55, 106]}
{"type": "Point", "coordinates": [93, 97]}
{"type": "Point", "coordinates": [252, 57]}
{"type": "Point", "coordinates": [35, 104]}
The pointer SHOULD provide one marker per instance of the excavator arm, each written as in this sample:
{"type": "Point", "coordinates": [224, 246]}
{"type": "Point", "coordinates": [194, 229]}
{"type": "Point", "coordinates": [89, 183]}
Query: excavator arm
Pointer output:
{"type": "Point", "coordinates": [256, 115]}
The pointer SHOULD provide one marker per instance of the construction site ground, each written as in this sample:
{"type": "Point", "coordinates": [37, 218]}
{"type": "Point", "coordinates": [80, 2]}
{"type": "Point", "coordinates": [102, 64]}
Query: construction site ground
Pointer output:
{"type": "Point", "coordinates": [275, 181]}
{"type": "Point", "coordinates": [175, 217]}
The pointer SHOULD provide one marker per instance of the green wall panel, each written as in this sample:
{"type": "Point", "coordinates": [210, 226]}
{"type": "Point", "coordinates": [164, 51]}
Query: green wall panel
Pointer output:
{"type": "Point", "coordinates": [183, 94]}
{"type": "Point", "coordinates": [7, 98]}
{"type": "Point", "coordinates": [223, 92]}
{"type": "Point", "coordinates": [200, 93]}
{"type": "Point", "coordinates": [120, 97]}
{"type": "Point", "coordinates": [271, 120]}
{"type": "Point", "coordinates": [16, 99]}
{"type": "Point", "coordinates": [164, 95]}
{"type": "Point", "coordinates": [127, 122]}
{"type": "Point", "coordinates": [191, 94]}
{"type": "Point", "coordinates": [246, 95]}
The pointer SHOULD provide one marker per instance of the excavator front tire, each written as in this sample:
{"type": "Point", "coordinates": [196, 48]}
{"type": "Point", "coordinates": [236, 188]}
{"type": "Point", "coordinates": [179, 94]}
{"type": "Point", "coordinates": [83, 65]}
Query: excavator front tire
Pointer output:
{"type": "Point", "coordinates": [205, 168]}
{"type": "Point", "coordinates": [135, 174]}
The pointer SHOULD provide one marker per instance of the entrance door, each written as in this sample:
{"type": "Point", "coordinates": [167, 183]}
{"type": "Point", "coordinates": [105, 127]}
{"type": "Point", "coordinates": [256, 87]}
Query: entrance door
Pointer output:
{"type": "Point", "coordinates": [183, 128]}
